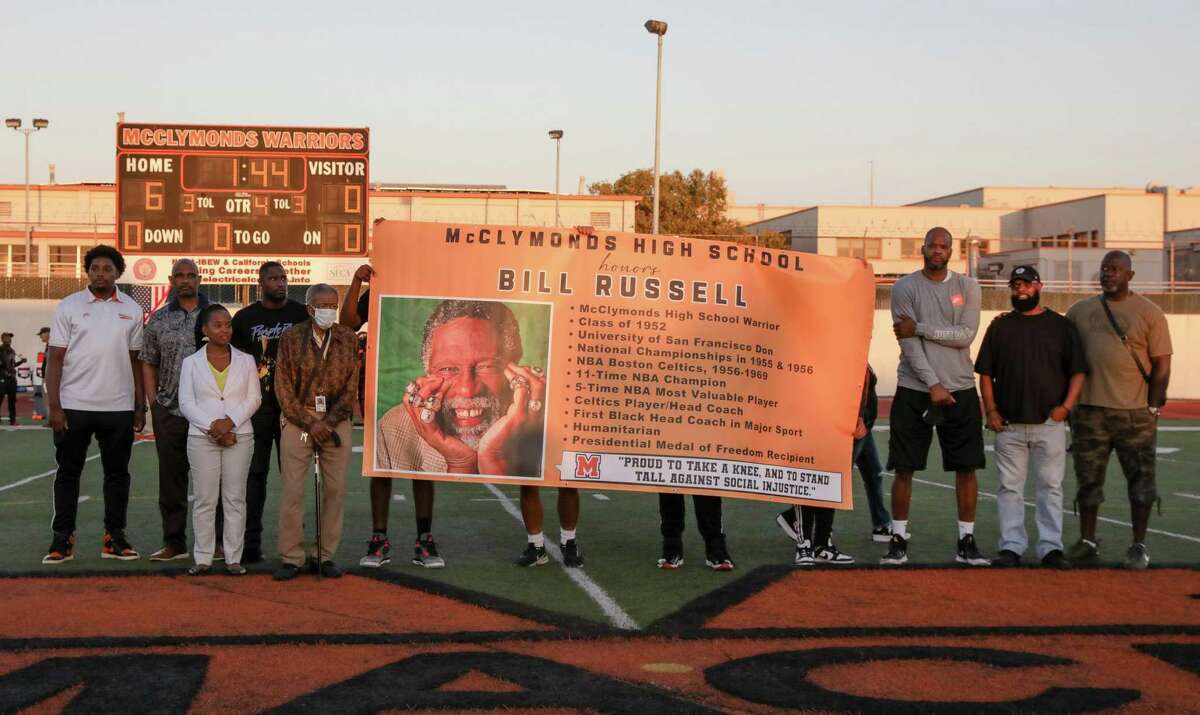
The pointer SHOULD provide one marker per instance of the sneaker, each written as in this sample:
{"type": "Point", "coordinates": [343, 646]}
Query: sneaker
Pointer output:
{"type": "Point", "coordinates": [1055, 560]}
{"type": "Point", "coordinates": [379, 552]}
{"type": "Point", "coordinates": [61, 549]}
{"type": "Point", "coordinates": [672, 555]}
{"type": "Point", "coordinates": [235, 569]}
{"type": "Point", "coordinates": [425, 553]}
{"type": "Point", "coordinates": [169, 552]}
{"type": "Point", "coordinates": [572, 554]}
{"type": "Point", "coordinates": [969, 554]}
{"type": "Point", "coordinates": [116, 547]}
{"type": "Point", "coordinates": [882, 534]}
{"type": "Point", "coordinates": [331, 570]}
{"type": "Point", "coordinates": [897, 554]}
{"type": "Point", "coordinates": [830, 555]}
{"type": "Point", "coordinates": [787, 522]}
{"type": "Point", "coordinates": [199, 570]}
{"type": "Point", "coordinates": [533, 556]}
{"type": "Point", "coordinates": [252, 556]}
{"type": "Point", "coordinates": [1136, 559]}
{"type": "Point", "coordinates": [716, 556]}
{"type": "Point", "coordinates": [219, 553]}
{"type": "Point", "coordinates": [287, 572]}
{"type": "Point", "coordinates": [1083, 551]}
{"type": "Point", "coordinates": [804, 554]}
{"type": "Point", "coordinates": [1007, 558]}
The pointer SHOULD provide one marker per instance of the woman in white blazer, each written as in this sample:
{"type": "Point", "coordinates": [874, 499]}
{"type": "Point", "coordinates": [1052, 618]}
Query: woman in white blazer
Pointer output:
{"type": "Point", "coordinates": [218, 392]}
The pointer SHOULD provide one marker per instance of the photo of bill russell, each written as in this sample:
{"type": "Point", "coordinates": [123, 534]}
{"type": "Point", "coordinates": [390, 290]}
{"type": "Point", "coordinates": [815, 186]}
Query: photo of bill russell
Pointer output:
{"type": "Point", "coordinates": [465, 394]}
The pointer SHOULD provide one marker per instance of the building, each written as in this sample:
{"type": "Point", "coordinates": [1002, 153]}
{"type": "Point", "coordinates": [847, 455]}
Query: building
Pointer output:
{"type": "Point", "coordinates": [68, 219]}
{"type": "Point", "coordinates": [1063, 229]}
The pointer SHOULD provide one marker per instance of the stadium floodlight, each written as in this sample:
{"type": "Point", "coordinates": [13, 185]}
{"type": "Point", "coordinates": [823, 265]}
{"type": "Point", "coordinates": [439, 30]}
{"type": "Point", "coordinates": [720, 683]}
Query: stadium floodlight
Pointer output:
{"type": "Point", "coordinates": [556, 135]}
{"type": "Point", "coordinates": [658, 28]}
{"type": "Point", "coordinates": [14, 123]}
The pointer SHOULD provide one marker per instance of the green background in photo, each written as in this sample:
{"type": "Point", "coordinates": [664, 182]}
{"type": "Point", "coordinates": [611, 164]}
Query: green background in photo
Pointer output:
{"type": "Point", "coordinates": [402, 324]}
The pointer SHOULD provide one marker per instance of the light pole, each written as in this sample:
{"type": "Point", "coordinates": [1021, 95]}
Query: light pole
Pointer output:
{"type": "Point", "coordinates": [556, 135]}
{"type": "Point", "coordinates": [15, 125]}
{"type": "Point", "coordinates": [657, 27]}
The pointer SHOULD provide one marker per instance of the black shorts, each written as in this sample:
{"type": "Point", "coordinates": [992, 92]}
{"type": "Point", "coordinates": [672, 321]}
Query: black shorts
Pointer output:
{"type": "Point", "coordinates": [960, 434]}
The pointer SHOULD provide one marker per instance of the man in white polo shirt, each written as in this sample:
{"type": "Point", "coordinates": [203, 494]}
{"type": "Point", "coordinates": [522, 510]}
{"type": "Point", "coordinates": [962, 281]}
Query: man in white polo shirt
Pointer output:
{"type": "Point", "coordinates": [91, 390]}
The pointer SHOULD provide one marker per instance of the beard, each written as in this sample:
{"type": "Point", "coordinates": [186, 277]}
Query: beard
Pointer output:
{"type": "Point", "coordinates": [470, 436]}
{"type": "Point", "coordinates": [1025, 305]}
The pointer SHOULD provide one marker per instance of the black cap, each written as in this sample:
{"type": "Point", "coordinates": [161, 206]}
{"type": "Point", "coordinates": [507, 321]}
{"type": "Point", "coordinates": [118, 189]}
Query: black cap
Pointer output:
{"type": "Point", "coordinates": [1028, 274]}
{"type": "Point", "coordinates": [6, 335]}
{"type": "Point", "coordinates": [45, 329]}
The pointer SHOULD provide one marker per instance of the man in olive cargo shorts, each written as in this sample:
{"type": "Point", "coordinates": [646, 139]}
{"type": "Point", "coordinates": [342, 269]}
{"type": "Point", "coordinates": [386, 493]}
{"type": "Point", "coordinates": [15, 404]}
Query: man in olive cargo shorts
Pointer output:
{"type": "Point", "coordinates": [1128, 347]}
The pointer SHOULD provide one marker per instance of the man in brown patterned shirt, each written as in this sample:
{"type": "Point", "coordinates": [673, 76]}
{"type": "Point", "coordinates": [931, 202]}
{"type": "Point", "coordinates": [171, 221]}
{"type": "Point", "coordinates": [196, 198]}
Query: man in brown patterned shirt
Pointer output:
{"type": "Point", "coordinates": [316, 381]}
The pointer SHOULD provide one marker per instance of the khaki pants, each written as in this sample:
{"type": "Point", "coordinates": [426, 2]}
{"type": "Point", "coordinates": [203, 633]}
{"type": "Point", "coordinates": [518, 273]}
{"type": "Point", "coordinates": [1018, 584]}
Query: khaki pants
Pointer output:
{"type": "Point", "coordinates": [296, 457]}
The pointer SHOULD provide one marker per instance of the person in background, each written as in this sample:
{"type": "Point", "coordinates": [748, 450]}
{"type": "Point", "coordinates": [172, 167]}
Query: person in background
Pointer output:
{"type": "Point", "coordinates": [1128, 346]}
{"type": "Point", "coordinates": [708, 520]}
{"type": "Point", "coordinates": [256, 331]}
{"type": "Point", "coordinates": [39, 390]}
{"type": "Point", "coordinates": [1031, 370]}
{"type": "Point", "coordinates": [168, 338]}
{"type": "Point", "coordinates": [218, 394]}
{"type": "Point", "coordinates": [9, 362]}
{"type": "Point", "coordinates": [93, 390]}
{"type": "Point", "coordinates": [316, 380]}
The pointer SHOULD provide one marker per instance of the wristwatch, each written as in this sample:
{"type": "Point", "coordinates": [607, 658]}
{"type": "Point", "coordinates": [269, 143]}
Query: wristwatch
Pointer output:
{"type": "Point", "coordinates": [1156, 411]}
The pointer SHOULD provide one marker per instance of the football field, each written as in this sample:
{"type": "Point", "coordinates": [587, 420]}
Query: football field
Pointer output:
{"type": "Point", "coordinates": [479, 532]}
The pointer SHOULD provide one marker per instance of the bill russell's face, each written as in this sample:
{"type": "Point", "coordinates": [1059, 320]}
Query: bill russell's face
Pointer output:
{"type": "Point", "coordinates": [465, 353]}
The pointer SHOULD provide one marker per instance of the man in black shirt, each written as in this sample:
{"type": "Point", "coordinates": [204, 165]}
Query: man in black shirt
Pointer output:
{"type": "Point", "coordinates": [356, 310]}
{"type": "Point", "coordinates": [9, 361]}
{"type": "Point", "coordinates": [1031, 369]}
{"type": "Point", "coordinates": [256, 330]}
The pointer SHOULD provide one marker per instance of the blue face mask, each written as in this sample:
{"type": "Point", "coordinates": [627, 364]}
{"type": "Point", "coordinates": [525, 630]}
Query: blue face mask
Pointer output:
{"type": "Point", "coordinates": [324, 317]}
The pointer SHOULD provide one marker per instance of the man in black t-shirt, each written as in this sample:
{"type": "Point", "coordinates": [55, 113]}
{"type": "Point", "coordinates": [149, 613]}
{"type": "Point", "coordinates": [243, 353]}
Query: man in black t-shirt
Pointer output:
{"type": "Point", "coordinates": [1031, 369]}
{"type": "Point", "coordinates": [256, 330]}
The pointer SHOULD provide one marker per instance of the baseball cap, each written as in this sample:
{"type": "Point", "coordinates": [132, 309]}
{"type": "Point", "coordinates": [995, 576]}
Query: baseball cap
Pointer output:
{"type": "Point", "coordinates": [1025, 273]}
{"type": "Point", "coordinates": [45, 329]}
{"type": "Point", "coordinates": [6, 334]}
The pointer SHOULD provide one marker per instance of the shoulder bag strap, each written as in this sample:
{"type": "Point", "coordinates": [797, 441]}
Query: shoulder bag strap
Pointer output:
{"type": "Point", "coordinates": [1124, 341]}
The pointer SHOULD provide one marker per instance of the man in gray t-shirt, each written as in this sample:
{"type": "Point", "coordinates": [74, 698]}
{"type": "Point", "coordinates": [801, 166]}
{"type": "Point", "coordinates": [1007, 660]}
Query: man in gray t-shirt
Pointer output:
{"type": "Point", "coordinates": [936, 315]}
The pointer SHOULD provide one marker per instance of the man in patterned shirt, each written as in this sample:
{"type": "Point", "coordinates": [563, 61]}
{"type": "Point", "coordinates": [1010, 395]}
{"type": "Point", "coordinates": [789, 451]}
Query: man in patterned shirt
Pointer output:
{"type": "Point", "coordinates": [169, 337]}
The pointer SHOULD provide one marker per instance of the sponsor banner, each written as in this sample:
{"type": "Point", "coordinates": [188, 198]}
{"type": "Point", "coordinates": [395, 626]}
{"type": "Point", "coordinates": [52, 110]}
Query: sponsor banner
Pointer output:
{"type": "Point", "coordinates": [615, 361]}
{"type": "Point", "coordinates": [242, 270]}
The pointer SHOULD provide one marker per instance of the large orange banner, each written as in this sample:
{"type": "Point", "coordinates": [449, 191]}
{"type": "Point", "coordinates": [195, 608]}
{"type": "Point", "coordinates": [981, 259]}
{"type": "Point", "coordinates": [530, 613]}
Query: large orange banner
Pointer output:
{"type": "Point", "coordinates": [552, 357]}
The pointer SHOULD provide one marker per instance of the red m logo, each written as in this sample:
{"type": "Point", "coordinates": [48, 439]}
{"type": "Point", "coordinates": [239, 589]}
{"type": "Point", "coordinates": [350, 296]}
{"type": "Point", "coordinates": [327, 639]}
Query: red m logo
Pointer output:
{"type": "Point", "coordinates": [587, 466]}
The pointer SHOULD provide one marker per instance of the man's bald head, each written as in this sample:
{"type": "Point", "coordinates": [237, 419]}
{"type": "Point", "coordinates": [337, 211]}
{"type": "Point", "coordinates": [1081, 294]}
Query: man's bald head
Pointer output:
{"type": "Point", "coordinates": [938, 232]}
{"type": "Point", "coordinates": [1120, 257]}
{"type": "Point", "coordinates": [185, 278]}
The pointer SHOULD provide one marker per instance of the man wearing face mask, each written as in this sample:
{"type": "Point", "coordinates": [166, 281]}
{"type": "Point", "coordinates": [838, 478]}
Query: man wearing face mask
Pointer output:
{"type": "Point", "coordinates": [316, 381]}
{"type": "Point", "coordinates": [1031, 370]}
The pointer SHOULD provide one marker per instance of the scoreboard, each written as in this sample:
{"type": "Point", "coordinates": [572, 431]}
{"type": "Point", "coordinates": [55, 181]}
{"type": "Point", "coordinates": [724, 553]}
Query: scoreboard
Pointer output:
{"type": "Point", "coordinates": [189, 190]}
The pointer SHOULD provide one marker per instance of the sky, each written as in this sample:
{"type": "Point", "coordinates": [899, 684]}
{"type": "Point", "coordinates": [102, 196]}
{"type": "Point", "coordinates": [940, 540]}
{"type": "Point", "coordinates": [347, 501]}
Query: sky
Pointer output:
{"type": "Point", "coordinates": [791, 100]}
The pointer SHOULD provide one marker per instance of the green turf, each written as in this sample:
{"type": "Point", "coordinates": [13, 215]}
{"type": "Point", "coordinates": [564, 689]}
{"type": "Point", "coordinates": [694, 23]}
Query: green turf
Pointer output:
{"type": "Point", "coordinates": [479, 538]}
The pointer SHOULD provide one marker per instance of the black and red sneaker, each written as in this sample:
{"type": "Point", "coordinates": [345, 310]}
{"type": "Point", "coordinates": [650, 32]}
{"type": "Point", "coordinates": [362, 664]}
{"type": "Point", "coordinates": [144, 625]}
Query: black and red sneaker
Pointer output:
{"type": "Point", "coordinates": [62, 548]}
{"type": "Point", "coordinates": [379, 552]}
{"type": "Point", "coordinates": [117, 547]}
{"type": "Point", "coordinates": [425, 553]}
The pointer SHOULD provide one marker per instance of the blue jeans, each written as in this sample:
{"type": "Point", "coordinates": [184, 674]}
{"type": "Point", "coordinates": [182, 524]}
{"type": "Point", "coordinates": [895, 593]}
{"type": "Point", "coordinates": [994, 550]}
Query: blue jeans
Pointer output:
{"type": "Point", "coordinates": [866, 458]}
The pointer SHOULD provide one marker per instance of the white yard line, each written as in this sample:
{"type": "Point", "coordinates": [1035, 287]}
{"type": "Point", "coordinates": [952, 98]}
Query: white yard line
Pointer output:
{"type": "Point", "coordinates": [1185, 495]}
{"type": "Point", "coordinates": [988, 495]}
{"type": "Point", "coordinates": [615, 614]}
{"type": "Point", "coordinates": [34, 478]}
{"type": "Point", "coordinates": [600, 497]}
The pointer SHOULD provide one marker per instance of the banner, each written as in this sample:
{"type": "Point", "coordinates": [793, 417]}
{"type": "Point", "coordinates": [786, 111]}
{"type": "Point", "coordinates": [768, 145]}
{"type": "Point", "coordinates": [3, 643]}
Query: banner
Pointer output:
{"type": "Point", "coordinates": [552, 357]}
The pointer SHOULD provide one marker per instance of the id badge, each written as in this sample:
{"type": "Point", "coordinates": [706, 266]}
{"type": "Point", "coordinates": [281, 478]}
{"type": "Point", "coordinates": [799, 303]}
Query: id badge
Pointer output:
{"type": "Point", "coordinates": [320, 403]}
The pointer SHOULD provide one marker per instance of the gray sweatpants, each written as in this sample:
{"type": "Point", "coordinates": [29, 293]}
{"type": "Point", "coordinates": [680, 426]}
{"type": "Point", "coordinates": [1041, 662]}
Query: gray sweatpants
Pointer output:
{"type": "Point", "coordinates": [1042, 448]}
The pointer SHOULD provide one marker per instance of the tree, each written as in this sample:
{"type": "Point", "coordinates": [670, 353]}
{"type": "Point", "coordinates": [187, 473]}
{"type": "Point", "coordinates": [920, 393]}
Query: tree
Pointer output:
{"type": "Point", "coordinates": [691, 205]}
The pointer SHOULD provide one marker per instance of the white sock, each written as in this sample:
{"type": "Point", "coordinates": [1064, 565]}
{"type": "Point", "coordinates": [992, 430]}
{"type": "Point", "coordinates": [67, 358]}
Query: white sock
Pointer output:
{"type": "Point", "coordinates": [537, 539]}
{"type": "Point", "coordinates": [900, 528]}
{"type": "Point", "coordinates": [565, 535]}
{"type": "Point", "coordinates": [965, 527]}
